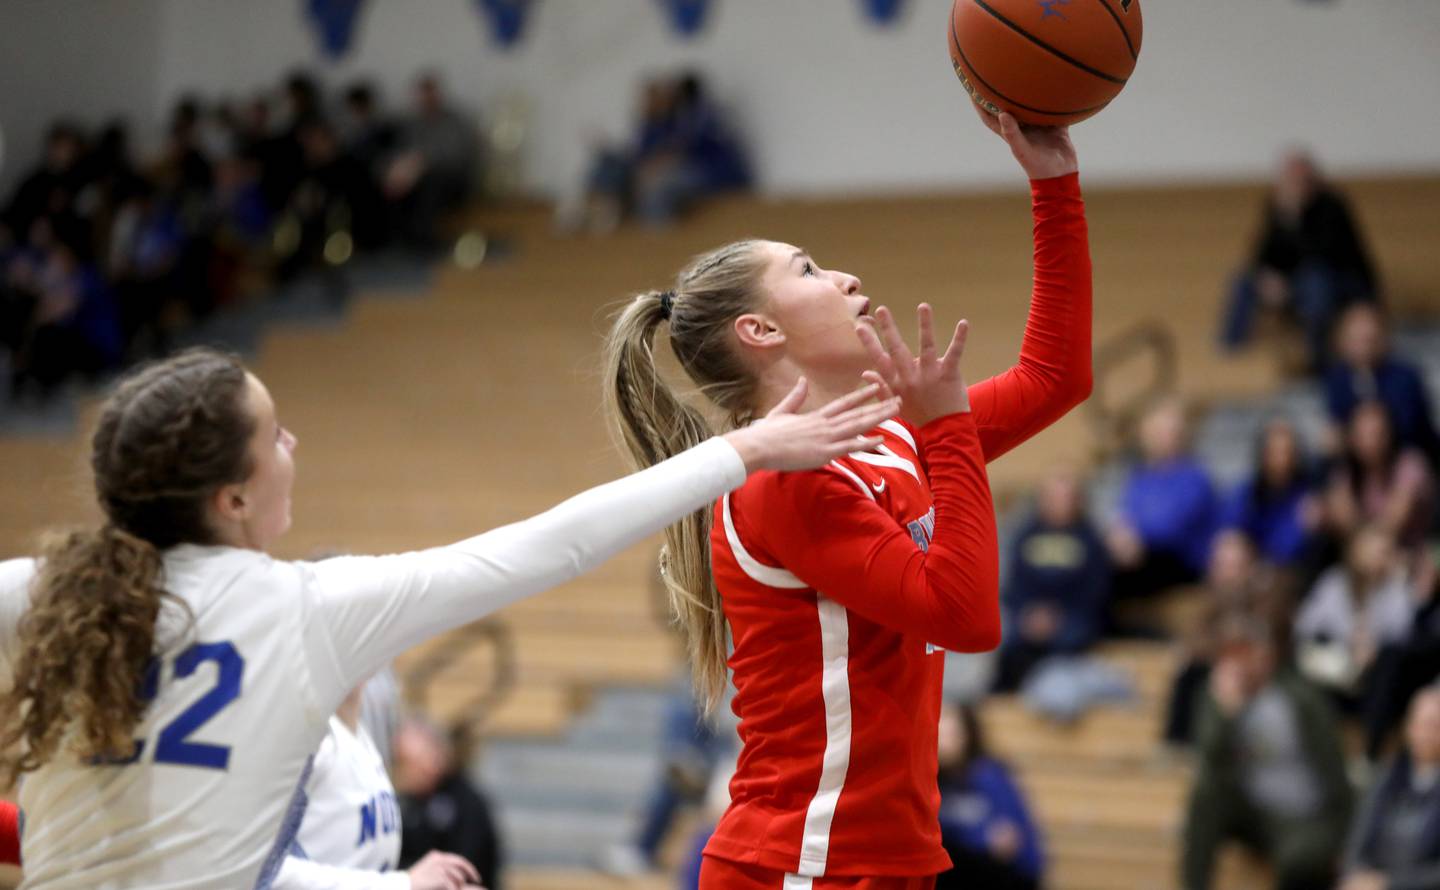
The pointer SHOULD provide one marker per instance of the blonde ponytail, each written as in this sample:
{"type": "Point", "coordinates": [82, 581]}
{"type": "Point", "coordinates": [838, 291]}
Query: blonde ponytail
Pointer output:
{"type": "Point", "coordinates": [654, 423]}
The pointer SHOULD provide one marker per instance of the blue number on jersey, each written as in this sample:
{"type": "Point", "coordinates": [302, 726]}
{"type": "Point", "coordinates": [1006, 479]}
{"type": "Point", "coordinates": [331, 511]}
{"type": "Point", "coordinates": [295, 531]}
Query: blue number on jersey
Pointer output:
{"type": "Point", "coordinates": [172, 746]}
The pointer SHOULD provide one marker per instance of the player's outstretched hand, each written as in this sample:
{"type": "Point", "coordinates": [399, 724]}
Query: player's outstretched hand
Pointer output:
{"type": "Point", "coordinates": [443, 871]}
{"type": "Point", "coordinates": [930, 386]}
{"type": "Point", "coordinates": [784, 440]}
{"type": "Point", "coordinates": [1044, 152]}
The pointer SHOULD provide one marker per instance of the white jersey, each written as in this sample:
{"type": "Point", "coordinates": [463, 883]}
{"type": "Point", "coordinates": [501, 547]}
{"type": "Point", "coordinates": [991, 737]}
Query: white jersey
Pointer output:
{"type": "Point", "coordinates": [241, 703]}
{"type": "Point", "coordinates": [350, 833]}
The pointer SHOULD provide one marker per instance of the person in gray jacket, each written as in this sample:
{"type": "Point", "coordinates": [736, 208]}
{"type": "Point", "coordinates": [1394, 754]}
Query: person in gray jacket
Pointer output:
{"type": "Point", "coordinates": [1395, 842]}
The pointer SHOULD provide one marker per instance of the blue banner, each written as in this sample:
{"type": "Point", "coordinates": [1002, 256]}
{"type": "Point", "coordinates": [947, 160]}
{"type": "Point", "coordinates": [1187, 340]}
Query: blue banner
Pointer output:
{"type": "Point", "coordinates": [334, 24]}
{"type": "Point", "coordinates": [507, 19]}
{"type": "Point", "coordinates": [883, 11]}
{"type": "Point", "coordinates": [687, 17]}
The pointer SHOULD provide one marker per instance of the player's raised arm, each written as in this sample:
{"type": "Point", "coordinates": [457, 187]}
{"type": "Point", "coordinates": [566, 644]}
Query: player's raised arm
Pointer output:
{"type": "Point", "coordinates": [372, 608]}
{"type": "Point", "coordinates": [1054, 373]}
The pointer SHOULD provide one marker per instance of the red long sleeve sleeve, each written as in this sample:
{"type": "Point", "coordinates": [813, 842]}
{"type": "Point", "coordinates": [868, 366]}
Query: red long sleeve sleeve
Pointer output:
{"type": "Point", "coordinates": [9, 833]}
{"type": "Point", "coordinates": [1054, 371]}
{"type": "Point", "coordinates": [852, 549]}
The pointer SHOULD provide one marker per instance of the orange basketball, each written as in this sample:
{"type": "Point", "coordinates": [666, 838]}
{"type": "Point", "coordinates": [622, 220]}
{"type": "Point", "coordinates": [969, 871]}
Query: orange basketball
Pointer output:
{"type": "Point", "coordinates": [1047, 62]}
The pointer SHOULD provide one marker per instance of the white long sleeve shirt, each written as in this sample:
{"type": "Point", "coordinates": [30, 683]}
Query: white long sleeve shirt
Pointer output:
{"type": "Point", "coordinates": [243, 700]}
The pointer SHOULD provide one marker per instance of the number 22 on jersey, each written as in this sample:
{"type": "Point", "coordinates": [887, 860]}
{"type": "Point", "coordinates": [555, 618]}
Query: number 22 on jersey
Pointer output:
{"type": "Point", "coordinates": [172, 744]}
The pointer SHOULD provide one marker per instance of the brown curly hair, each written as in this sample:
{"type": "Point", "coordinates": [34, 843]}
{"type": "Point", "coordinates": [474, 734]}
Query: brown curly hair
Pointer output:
{"type": "Point", "coordinates": [168, 438]}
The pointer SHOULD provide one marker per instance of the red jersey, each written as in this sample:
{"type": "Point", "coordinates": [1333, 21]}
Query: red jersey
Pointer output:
{"type": "Point", "coordinates": [9, 833]}
{"type": "Point", "coordinates": [841, 586]}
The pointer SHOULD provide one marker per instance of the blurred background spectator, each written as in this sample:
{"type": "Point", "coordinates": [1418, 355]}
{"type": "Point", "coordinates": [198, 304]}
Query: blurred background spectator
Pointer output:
{"type": "Point", "coordinates": [1271, 771]}
{"type": "Point", "coordinates": [1394, 842]}
{"type": "Point", "coordinates": [441, 809]}
{"type": "Point", "coordinates": [985, 822]}
{"type": "Point", "coordinates": [1057, 583]}
{"type": "Point", "coordinates": [1167, 514]}
{"type": "Point", "coordinates": [684, 148]}
{"type": "Point", "coordinates": [1276, 507]}
{"type": "Point", "coordinates": [1366, 370]}
{"type": "Point", "coordinates": [434, 169]}
{"type": "Point", "coordinates": [1309, 261]}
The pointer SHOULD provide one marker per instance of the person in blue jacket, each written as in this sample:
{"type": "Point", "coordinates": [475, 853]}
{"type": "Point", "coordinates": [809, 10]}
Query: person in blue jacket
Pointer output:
{"type": "Point", "coordinates": [1277, 508]}
{"type": "Point", "coordinates": [985, 822]}
{"type": "Point", "coordinates": [1365, 369]}
{"type": "Point", "coordinates": [1168, 512]}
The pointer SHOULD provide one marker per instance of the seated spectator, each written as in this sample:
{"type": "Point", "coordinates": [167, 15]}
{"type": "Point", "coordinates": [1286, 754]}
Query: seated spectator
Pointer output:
{"type": "Point", "coordinates": [335, 194]}
{"type": "Point", "coordinates": [1161, 537]}
{"type": "Point", "coordinates": [1365, 370]}
{"type": "Point", "coordinates": [1271, 772]}
{"type": "Point", "coordinates": [74, 328]}
{"type": "Point", "coordinates": [1395, 841]}
{"type": "Point", "coordinates": [1378, 481]}
{"type": "Point", "coordinates": [1354, 633]}
{"type": "Point", "coordinates": [109, 177]}
{"type": "Point", "coordinates": [609, 182]}
{"type": "Point", "coordinates": [369, 137]}
{"type": "Point", "coordinates": [146, 249]}
{"type": "Point", "coordinates": [1237, 587]}
{"type": "Point", "coordinates": [52, 187]}
{"type": "Point", "coordinates": [985, 823]}
{"type": "Point", "coordinates": [698, 155]}
{"type": "Point", "coordinates": [434, 170]}
{"type": "Point", "coordinates": [1277, 507]}
{"type": "Point", "coordinates": [1309, 261]}
{"type": "Point", "coordinates": [440, 809]}
{"type": "Point", "coordinates": [1355, 610]}
{"type": "Point", "coordinates": [1057, 583]}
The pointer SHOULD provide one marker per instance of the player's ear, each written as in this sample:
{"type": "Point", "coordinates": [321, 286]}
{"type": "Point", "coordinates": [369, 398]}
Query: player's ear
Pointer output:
{"type": "Point", "coordinates": [758, 331]}
{"type": "Point", "coordinates": [230, 504]}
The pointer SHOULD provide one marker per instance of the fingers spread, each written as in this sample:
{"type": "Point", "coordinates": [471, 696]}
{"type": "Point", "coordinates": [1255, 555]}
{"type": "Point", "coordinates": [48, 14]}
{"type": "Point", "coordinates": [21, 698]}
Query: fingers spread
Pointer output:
{"type": "Point", "coordinates": [878, 356]}
{"type": "Point", "coordinates": [926, 318]}
{"type": "Point", "coordinates": [957, 347]}
{"type": "Point", "coordinates": [890, 335]}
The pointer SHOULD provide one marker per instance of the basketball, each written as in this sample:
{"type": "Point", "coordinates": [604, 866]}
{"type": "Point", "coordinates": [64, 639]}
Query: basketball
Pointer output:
{"type": "Point", "coordinates": [1047, 62]}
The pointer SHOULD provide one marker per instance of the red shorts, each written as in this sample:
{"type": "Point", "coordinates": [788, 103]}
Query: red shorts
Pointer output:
{"type": "Point", "coordinates": [722, 874]}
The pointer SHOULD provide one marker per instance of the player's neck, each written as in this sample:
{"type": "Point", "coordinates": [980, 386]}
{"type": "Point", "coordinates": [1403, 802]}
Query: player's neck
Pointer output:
{"type": "Point", "coordinates": [823, 389]}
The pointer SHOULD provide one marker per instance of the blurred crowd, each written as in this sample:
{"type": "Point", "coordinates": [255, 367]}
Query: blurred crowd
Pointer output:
{"type": "Point", "coordinates": [105, 255]}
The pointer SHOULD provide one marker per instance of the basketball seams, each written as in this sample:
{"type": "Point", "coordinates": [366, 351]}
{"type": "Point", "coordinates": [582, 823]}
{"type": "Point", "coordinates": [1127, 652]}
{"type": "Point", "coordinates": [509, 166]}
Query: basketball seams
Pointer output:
{"type": "Point", "coordinates": [955, 42]}
{"type": "Point", "coordinates": [1047, 47]}
{"type": "Point", "coordinates": [1129, 44]}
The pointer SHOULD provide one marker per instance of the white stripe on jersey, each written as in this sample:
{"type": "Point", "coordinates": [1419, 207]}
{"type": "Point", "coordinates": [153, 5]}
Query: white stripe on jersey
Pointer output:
{"type": "Point", "coordinates": [856, 479]}
{"type": "Point", "coordinates": [898, 429]}
{"type": "Point", "coordinates": [796, 882]}
{"type": "Point", "coordinates": [835, 688]}
{"type": "Point", "coordinates": [886, 458]}
{"type": "Point", "coordinates": [767, 575]}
